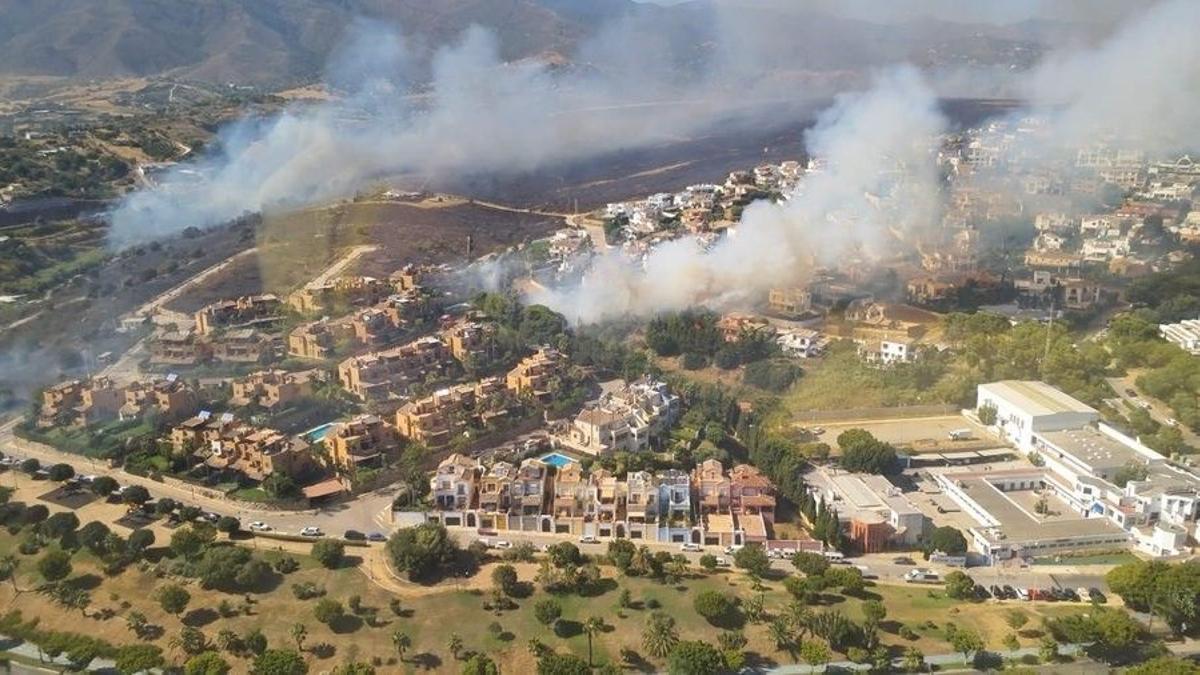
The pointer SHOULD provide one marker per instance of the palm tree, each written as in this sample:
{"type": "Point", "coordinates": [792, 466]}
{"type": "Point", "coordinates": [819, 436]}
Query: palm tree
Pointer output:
{"type": "Point", "coordinates": [592, 626]}
{"type": "Point", "coordinates": [455, 644]}
{"type": "Point", "coordinates": [401, 642]}
{"type": "Point", "coordinates": [659, 636]}
{"type": "Point", "coordinates": [299, 633]}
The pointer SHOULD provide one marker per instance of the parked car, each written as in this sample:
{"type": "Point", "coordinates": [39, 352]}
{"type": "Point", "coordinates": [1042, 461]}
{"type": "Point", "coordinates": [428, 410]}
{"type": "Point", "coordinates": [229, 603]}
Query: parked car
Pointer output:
{"type": "Point", "coordinates": [903, 560]}
{"type": "Point", "coordinates": [981, 593]}
{"type": "Point", "coordinates": [353, 535]}
{"type": "Point", "coordinates": [376, 536]}
{"type": "Point", "coordinates": [259, 526]}
{"type": "Point", "coordinates": [722, 562]}
{"type": "Point", "coordinates": [210, 516]}
{"type": "Point", "coordinates": [589, 539]}
{"type": "Point", "coordinates": [310, 531]}
{"type": "Point", "coordinates": [1096, 596]}
{"type": "Point", "coordinates": [502, 543]}
{"type": "Point", "coordinates": [1130, 392]}
{"type": "Point", "coordinates": [691, 548]}
{"type": "Point", "coordinates": [730, 550]}
{"type": "Point", "coordinates": [1010, 592]}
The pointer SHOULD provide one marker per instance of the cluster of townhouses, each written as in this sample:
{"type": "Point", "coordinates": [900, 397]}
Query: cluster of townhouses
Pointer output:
{"type": "Point", "coordinates": [701, 208]}
{"type": "Point", "coordinates": [707, 506]}
{"type": "Point", "coordinates": [100, 399]}
{"type": "Point", "coordinates": [1087, 486]}
{"type": "Point", "coordinates": [625, 419]}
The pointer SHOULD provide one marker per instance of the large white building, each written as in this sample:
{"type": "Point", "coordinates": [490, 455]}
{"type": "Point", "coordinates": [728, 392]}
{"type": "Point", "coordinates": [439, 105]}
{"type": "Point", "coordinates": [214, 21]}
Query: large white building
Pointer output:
{"type": "Point", "coordinates": [1025, 407]}
{"type": "Point", "coordinates": [1112, 488]}
{"type": "Point", "coordinates": [1186, 334]}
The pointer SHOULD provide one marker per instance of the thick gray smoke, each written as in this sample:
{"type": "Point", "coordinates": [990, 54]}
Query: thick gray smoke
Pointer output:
{"type": "Point", "coordinates": [1141, 86]}
{"type": "Point", "coordinates": [477, 115]}
{"type": "Point", "coordinates": [880, 179]}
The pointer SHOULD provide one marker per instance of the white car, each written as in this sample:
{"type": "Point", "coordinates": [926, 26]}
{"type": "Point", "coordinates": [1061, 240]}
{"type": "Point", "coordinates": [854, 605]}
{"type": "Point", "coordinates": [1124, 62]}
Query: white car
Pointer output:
{"type": "Point", "coordinates": [310, 531]}
{"type": "Point", "coordinates": [691, 548]}
{"type": "Point", "coordinates": [502, 543]}
{"type": "Point", "coordinates": [722, 562]}
{"type": "Point", "coordinates": [730, 550]}
{"type": "Point", "coordinates": [87, 479]}
{"type": "Point", "coordinates": [259, 526]}
{"type": "Point", "coordinates": [589, 539]}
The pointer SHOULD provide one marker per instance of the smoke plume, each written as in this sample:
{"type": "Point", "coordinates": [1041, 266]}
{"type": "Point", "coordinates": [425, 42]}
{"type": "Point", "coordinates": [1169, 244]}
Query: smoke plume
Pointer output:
{"type": "Point", "coordinates": [880, 179]}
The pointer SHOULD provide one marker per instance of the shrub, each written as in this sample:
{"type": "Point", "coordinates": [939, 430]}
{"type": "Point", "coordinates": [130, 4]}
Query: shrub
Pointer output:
{"type": "Point", "coordinates": [329, 552]}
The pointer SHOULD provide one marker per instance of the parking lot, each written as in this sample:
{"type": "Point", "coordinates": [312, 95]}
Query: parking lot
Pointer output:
{"type": "Point", "coordinates": [909, 431]}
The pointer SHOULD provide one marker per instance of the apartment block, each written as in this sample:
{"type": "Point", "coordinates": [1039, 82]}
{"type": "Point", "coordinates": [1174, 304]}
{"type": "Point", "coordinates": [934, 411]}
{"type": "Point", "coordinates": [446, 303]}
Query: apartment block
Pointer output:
{"type": "Point", "coordinates": [364, 442]}
{"type": "Point", "coordinates": [538, 375]}
{"type": "Point", "coordinates": [470, 341]}
{"type": "Point", "coordinates": [438, 418]}
{"type": "Point", "coordinates": [377, 375]}
{"type": "Point", "coordinates": [246, 311]}
{"type": "Point", "coordinates": [271, 388]}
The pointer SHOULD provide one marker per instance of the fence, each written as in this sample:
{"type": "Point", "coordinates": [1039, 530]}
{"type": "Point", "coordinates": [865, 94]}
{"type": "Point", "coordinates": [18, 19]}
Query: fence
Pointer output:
{"type": "Point", "coordinates": [881, 413]}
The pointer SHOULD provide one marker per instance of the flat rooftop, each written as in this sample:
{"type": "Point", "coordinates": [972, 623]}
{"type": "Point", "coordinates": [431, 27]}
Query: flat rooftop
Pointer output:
{"type": "Point", "coordinates": [1094, 449]}
{"type": "Point", "coordinates": [1038, 398]}
{"type": "Point", "coordinates": [867, 495]}
{"type": "Point", "coordinates": [1018, 521]}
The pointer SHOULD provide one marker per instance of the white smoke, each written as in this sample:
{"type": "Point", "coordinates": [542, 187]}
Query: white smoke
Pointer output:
{"type": "Point", "coordinates": [881, 178]}
{"type": "Point", "coordinates": [1140, 86]}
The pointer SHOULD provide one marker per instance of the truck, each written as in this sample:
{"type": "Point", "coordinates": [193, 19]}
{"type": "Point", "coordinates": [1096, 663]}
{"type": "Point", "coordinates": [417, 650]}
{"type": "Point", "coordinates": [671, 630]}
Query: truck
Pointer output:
{"type": "Point", "coordinates": [960, 435]}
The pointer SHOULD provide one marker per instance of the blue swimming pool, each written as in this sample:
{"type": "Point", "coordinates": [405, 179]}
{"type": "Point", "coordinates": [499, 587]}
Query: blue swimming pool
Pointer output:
{"type": "Point", "coordinates": [317, 434]}
{"type": "Point", "coordinates": [556, 460]}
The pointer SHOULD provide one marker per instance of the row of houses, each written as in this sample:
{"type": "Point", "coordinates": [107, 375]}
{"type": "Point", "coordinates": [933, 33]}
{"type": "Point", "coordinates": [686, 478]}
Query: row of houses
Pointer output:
{"type": "Point", "coordinates": [188, 347]}
{"type": "Point", "coordinates": [390, 372]}
{"type": "Point", "coordinates": [100, 399]}
{"type": "Point", "coordinates": [707, 506]}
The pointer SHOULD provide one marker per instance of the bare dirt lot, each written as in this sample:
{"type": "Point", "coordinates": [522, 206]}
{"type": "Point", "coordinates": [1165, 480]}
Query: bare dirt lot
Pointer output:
{"type": "Point", "coordinates": [920, 431]}
{"type": "Point", "coordinates": [295, 247]}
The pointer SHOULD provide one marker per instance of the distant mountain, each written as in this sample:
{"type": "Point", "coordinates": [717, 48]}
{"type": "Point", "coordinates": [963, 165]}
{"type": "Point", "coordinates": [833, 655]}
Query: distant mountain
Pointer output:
{"type": "Point", "coordinates": [271, 42]}
{"type": "Point", "coordinates": [283, 42]}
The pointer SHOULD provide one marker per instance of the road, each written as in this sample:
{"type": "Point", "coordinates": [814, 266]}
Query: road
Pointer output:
{"type": "Point", "coordinates": [371, 512]}
{"type": "Point", "coordinates": [1158, 410]}
{"type": "Point", "coordinates": [340, 264]}
{"type": "Point", "coordinates": [157, 305]}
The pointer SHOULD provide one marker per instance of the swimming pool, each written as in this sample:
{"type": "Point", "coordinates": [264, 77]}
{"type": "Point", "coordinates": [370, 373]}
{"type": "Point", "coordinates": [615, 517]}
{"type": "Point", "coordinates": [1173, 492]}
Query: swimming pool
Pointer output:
{"type": "Point", "coordinates": [556, 460]}
{"type": "Point", "coordinates": [317, 434]}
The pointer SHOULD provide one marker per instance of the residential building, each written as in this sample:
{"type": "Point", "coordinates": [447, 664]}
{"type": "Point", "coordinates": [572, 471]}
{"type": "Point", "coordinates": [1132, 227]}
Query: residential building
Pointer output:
{"type": "Point", "coordinates": [183, 348]}
{"type": "Point", "coordinates": [99, 400]}
{"type": "Point", "coordinates": [352, 290]}
{"type": "Point", "coordinates": [606, 503]}
{"type": "Point", "coordinates": [447, 413]}
{"type": "Point", "coordinates": [271, 388]}
{"type": "Point", "coordinates": [802, 343]}
{"type": "Point", "coordinates": [641, 505]}
{"type": "Point", "coordinates": [365, 441]}
{"type": "Point", "coordinates": [169, 397]}
{"type": "Point", "coordinates": [374, 327]}
{"type": "Point", "coordinates": [1186, 334]}
{"type": "Point", "coordinates": [571, 499]}
{"type": "Point", "coordinates": [258, 453]}
{"type": "Point", "coordinates": [452, 487]}
{"type": "Point", "coordinates": [627, 419]}
{"type": "Point", "coordinates": [538, 375]}
{"type": "Point", "coordinates": [315, 340]}
{"type": "Point", "coordinates": [734, 326]}
{"type": "Point", "coordinates": [244, 345]}
{"type": "Point", "coordinates": [495, 496]}
{"type": "Point", "coordinates": [470, 341]}
{"type": "Point", "coordinates": [246, 311]}
{"type": "Point", "coordinates": [791, 302]}
{"type": "Point", "coordinates": [527, 498]}
{"type": "Point", "coordinates": [377, 375]}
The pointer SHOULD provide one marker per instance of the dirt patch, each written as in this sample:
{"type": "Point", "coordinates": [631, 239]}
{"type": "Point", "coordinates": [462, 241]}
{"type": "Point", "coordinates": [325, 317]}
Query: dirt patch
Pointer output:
{"type": "Point", "coordinates": [293, 248]}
